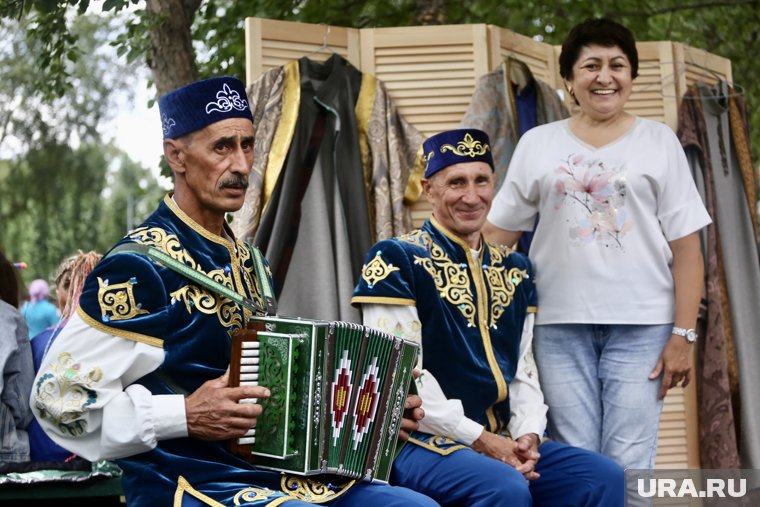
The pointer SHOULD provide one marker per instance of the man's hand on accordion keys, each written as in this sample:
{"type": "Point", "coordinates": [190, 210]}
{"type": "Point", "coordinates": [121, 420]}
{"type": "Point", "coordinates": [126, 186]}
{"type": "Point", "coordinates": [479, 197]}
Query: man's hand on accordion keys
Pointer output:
{"type": "Point", "coordinates": [214, 411]}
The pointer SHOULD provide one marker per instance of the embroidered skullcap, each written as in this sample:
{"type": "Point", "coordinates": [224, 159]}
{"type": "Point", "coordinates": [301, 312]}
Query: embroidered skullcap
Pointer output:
{"type": "Point", "coordinates": [202, 103]}
{"type": "Point", "coordinates": [456, 146]}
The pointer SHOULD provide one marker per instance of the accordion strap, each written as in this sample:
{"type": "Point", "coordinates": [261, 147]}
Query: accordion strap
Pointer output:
{"type": "Point", "coordinates": [265, 285]}
{"type": "Point", "coordinates": [198, 277]}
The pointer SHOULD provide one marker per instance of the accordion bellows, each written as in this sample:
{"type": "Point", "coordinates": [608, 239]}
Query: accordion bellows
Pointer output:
{"type": "Point", "coordinates": [337, 395]}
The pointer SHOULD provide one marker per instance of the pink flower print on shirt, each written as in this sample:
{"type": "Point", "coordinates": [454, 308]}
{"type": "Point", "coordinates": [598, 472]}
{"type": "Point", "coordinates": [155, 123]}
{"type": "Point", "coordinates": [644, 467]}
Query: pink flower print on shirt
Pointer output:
{"type": "Point", "coordinates": [596, 193]}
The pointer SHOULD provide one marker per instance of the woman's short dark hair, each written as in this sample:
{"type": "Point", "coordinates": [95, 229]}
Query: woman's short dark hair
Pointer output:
{"type": "Point", "coordinates": [601, 31]}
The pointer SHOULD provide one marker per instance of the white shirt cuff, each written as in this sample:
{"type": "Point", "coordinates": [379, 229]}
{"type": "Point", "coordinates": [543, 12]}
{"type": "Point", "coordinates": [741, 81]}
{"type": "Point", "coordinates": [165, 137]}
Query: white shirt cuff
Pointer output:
{"type": "Point", "coordinates": [467, 431]}
{"type": "Point", "coordinates": [169, 411]}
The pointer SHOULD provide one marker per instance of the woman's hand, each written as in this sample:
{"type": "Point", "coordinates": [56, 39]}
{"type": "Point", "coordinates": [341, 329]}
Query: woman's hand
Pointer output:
{"type": "Point", "coordinates": [674, 364]}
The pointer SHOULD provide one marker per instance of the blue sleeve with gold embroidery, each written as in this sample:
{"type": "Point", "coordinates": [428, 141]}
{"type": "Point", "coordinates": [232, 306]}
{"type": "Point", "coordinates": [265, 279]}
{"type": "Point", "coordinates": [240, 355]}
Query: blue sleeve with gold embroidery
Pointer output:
{"type": "Point", "coordinates": [126, 296]}
{"type": "Point", "coordinates": [387, 276]}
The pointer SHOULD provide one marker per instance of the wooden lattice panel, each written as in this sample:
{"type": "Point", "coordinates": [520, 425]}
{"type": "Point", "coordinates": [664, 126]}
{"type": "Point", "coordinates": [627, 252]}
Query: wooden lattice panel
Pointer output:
{"type": "Point", "coordinates": [430, 71]}
{"type": "Point", "coordinates": [271, 43]}
{"type": "Point", "coordinates": [539, 56]}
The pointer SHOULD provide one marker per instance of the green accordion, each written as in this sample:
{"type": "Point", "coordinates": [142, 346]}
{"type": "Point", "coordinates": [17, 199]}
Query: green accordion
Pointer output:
{"type": "Point", "coordinates": [337, 395]}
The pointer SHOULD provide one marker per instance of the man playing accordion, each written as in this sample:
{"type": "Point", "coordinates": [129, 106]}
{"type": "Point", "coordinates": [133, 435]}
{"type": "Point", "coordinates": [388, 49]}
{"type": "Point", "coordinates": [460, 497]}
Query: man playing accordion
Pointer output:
{"type": "Point", "coordinates": [139, 372]}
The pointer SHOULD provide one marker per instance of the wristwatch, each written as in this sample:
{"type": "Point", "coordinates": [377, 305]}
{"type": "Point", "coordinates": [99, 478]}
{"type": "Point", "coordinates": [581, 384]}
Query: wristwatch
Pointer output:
{"type": "Point", "coordinates": [689, 334]}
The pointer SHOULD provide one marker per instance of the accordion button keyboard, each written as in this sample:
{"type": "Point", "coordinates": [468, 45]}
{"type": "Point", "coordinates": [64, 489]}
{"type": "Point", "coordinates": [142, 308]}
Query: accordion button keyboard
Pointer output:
{"type": "Point", "coordinates": [249, 376]}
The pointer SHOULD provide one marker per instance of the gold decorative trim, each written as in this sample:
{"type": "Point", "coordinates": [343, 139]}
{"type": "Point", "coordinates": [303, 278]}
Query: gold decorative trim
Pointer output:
{"type": "Point", "coordinates": [532, 309]}
{"type": "Point", "coordinates": [184, 487]}
{"type": "Point", "coordinates": [452, 237]}
{"type": "Point", "coordinates": [503, 287]}
{"type": "Point", "coordinates": [205, 300]}
{"type": "Point", "coordinates": [493, 424]}
{"type": "Point", "coordinates": [480, 290]}
{"type": "Point", "coordinates": [377, 270]}
{"type": "Point", "coordinates": [127, 335]}
{"type": "Point", "coordinates": [451, 280]}
{"type": "Point", "coordinates": [413, 189]}
{"type": "Point", "coordinates": [117, 301]}
{"type": "Point", "coordinates": [310, 490]}
{"type": "Point", "coordinates": [364, 105]}
{"type": "Point", "coordinates": [251, 494]}
{"type": "Point", "coordinates": [417, 237]}
{"type": "Point", "coordinates": [193, 224]}
{"type": "Point", "coordinates": [291, 99]}
{"type": "Point", "coordinates": [482, 311]}
{"type": "Point", "coordinates": [467, 147]}
{"type": "Point", "coordinates": [438, 450]}
{"type": "Point", "coordinates": [383, 300]}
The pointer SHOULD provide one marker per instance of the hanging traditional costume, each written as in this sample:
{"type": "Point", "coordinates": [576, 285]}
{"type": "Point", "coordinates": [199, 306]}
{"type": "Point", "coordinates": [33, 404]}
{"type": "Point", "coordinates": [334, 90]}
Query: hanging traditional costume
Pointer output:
{"type": "Point", "coordinates": [332, 161]}
{"type": "Point", "coordinates": [506, 103]}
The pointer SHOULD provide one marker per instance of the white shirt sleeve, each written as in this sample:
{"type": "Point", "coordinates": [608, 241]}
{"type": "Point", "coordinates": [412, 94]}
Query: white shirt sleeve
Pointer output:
{"type": "Point", "coordinates": [526, 400]}
{"type": "Point", "coordinates": [443, 416]}
{"type": "Point", "coordinates": [85, 400]}
{"type": "Point", "coordinates": [515, 205]}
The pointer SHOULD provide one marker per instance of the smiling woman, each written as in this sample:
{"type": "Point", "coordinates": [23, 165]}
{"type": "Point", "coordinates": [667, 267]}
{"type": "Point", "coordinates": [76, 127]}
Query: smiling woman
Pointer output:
{"type": "Point", "coordinates": [616, 252]}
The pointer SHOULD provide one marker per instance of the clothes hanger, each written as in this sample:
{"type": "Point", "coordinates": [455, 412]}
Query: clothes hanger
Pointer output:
{"type": "Point", "coordinates": [323, 46]}
{"type": "Point", "coordinates": [736, 90]}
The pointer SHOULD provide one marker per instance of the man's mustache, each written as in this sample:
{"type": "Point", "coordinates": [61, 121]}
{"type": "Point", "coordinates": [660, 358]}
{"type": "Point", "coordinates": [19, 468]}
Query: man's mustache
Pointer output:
{"type": "Point", "coordinates": [235, 182]}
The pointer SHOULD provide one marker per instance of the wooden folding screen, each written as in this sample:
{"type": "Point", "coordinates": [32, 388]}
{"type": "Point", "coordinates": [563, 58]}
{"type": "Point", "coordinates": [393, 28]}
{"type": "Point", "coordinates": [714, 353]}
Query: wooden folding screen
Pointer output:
{"type": "Point", "coordinates": [430, 72]}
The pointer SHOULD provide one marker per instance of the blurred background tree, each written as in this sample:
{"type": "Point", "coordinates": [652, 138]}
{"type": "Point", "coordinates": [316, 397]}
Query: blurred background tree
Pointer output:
{"type": "Point", "coordinates": [57, 170]}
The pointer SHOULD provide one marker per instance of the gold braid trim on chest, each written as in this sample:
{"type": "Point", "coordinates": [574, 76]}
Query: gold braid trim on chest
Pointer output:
{"type": "Point", "coordinates": [451, 279]}
{"type": "Point", "coordinates": [199, 298]}
{"type": "Point", "coordinates": [503, 283]}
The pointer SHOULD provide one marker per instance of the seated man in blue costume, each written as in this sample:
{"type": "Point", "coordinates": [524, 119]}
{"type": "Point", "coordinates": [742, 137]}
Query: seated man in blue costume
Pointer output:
{"type": "Point", "coordinates": [471, 305]}
{"type": "Point", "coordinates": [138, 373]}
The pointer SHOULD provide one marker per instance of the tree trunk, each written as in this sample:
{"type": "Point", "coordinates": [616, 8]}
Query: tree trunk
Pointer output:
{"type": "Point", "coordinates": [171, 57]}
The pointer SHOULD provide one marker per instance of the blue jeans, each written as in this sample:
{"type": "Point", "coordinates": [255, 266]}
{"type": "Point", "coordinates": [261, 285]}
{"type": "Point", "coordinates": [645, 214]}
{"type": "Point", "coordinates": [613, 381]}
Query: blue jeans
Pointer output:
{"type": "Point", "coordinates": [595, 382]}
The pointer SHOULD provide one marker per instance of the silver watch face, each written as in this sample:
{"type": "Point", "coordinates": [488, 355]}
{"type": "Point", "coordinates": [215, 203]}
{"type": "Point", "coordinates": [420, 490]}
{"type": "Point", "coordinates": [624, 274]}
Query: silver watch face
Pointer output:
{"type": "Point", "coordinates": [691, 336]}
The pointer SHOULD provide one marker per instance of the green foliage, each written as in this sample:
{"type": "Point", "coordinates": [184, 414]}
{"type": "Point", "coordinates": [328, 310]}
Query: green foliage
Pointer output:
{"type": "Point", "coordinates": [30, 114]}
{"type": "Point", "coordinates": [58, 199]}
{"type": "Point", "coordinates": [52, 201]}
{"type": "Point", "coordinates": [56, 177]}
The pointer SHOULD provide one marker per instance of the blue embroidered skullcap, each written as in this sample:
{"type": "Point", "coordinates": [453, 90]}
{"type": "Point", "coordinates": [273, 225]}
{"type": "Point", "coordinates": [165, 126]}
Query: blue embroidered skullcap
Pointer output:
{"type": "Point", "coordinates": [202, 103]}
{"type": "Point", "coordinates": [456, 146]}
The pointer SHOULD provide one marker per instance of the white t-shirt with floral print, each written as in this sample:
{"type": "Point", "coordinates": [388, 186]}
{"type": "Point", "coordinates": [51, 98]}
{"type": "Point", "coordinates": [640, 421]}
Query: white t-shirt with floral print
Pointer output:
{"type": "Point", "coordinates": [600, 249]}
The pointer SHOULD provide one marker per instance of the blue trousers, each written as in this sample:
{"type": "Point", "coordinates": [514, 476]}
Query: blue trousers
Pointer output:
{"type": "Point", "coordinates": [362, 494]}
{"type": "Point", "coordinates": [570, 477]}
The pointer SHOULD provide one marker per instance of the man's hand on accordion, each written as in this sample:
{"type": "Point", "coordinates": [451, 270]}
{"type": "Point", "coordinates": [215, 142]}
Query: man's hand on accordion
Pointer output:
{"type": "Point", "coordinates": [214, 411]}
{"type": "Point", "coordinates": [413, 413]}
